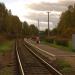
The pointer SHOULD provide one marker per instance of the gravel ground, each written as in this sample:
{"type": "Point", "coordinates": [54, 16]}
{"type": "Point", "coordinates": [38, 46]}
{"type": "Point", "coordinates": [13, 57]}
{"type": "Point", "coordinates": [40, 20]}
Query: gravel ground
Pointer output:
{"type": "Point", "coordinates": [69, 57]}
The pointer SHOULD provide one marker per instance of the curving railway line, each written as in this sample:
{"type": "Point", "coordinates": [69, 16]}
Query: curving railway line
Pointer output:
{"type": "Point", "coordinates": [31, 62]}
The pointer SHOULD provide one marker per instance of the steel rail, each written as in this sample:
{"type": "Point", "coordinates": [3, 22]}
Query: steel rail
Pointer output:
{"type": "Point", "coordinates": [50, 66]}
{"type": "Point", "coordinates": [19, 61]}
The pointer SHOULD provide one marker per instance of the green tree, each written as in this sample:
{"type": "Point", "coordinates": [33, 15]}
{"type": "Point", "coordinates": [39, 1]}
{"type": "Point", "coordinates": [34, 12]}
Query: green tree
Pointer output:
{"type": "Point", "coordinates": [46, 32]}
{"type": "Point", "coordinates": [66, 25]}
{"type": "Point", "coordinates": [33, 30]}
{"type": "Point", "coordinates": [16, 26]}
{"type": "Point", "coordinates": [3, 14]}
{"type": "Point", "coordinates": [25, 29]}
{"type": "Point", "coordinates": [9, 24]}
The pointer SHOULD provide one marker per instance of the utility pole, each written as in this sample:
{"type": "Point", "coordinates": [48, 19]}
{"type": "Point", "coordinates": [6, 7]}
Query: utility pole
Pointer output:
{"type": "Point", "coordinates": [48, 23]}
{"type": "Point", "coordinates": [22, 30]}
{"type": "Point", "coordinates": [38, 24]}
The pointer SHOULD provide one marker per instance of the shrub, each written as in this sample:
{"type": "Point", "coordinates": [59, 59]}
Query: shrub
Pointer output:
{"type": "Point", "coordinates": [62, 42]}
{"type": "Point", "coordinates": [50, 40]}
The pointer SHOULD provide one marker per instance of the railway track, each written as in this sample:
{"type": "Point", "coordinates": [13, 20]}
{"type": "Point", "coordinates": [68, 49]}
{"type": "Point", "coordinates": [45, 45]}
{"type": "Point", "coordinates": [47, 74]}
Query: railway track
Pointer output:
{"type": "Point", "coordinates": [31, 63]}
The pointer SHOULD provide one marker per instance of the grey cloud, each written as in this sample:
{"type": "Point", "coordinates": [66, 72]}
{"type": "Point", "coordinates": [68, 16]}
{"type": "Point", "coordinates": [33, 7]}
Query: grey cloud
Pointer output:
{"type": "Point", "coordinates": [54, 18]}
{"type": "Point", "coordinates": [61, 6]}
{"type": "Point", "coordinates": [36, 16]}
{"type": "Point", "coordinates": [44, 26]}
{"type": "Point", "coordinates": [44, 18]}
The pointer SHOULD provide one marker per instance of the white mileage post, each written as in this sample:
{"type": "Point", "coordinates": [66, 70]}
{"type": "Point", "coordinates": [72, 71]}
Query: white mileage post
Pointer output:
{"type": "Point", "coordinates": [73, 41]}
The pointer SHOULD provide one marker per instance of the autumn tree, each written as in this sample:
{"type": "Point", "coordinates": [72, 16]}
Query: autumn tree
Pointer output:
{"type": "Point", "coordinates": [66, 25]}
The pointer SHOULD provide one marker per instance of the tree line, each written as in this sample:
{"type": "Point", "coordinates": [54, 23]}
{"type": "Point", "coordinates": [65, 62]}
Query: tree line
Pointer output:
{"type": "Point", "coordinates": [11, 26]}
{"type": "Point", "coordinates": [66, 25]}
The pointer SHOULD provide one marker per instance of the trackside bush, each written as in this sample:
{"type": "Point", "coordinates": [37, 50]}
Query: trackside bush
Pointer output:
{"type": "Point", "coordinates": [50, 40]}
{"type": "Point", "coordinates": [62, 42]}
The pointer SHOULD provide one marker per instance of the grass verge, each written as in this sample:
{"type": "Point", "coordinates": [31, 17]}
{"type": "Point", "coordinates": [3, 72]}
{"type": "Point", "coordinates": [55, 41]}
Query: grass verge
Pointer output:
{"type": "Point", "coordinates": [65, 67]}
{"type": "Point", "coordinates": [6, 71]}
{"type": "Point", "coordinates": [69, 48]}
{"type": "Point", "coordinates": [5, 46]}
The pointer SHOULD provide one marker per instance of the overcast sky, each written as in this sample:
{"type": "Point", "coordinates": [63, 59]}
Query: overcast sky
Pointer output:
{"type": "Point", "coordinates": [32, 10]}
